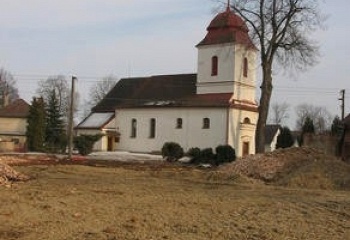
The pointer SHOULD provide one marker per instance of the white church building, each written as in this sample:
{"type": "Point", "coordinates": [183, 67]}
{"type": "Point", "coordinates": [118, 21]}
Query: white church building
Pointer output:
{"type": "Point", "coordinates": [215, 106]}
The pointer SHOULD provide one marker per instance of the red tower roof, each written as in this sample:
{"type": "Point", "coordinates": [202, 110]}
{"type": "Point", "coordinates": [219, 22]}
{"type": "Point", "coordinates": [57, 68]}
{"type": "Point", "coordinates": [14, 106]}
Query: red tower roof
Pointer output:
{"type": "Point", "coordinates": [227, 27]}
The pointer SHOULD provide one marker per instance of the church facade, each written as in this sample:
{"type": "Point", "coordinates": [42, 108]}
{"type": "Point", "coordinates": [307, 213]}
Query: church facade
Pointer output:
{"type": "Point", "coordinates": [215, 106]}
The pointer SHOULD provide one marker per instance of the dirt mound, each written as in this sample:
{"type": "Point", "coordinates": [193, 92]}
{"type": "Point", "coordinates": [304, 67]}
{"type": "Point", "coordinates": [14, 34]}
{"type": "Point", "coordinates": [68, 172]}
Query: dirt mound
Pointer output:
{"type": "Point", "coordinates": [294, 167]}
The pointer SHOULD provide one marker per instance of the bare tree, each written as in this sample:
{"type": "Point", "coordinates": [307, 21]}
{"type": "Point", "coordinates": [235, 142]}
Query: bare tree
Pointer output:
{"type": "Point", "coordinates": [320, 117]}
{"type": "Point", "coordinates": [279, 113]}
{"type": "Point", "coordinates": [59, 85]}
{"type": "Point", "coordinates": [281, 29]}
{"type": "Point", "coordinates": [7, 87]}
{"type": "Point", "coordinates": [101, 88]}
{"type": "Point", "coordinates": [98, 91]}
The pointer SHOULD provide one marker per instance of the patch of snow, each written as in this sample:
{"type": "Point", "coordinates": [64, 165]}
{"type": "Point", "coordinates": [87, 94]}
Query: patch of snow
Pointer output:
{"type": "Point", "coordinates": [124, 156]}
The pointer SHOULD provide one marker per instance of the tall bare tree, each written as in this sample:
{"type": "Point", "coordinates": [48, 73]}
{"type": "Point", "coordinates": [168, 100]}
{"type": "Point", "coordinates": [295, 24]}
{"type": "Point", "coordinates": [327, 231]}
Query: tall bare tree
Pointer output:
{"type": "Point", "coordinates": [59, 85]}
{"type": "Point", "coordinates": [8, 89]}
{"type": "Point", "coordinates": [101, 88]}
{"type": "Point", "coordinates": [279, 112]}
{"type": "Point", "coordinates": [98, 91]}
{"type": "Point", "coordinates": [320, 117]}
{"type": "Point", "coordinates": [281, 29]}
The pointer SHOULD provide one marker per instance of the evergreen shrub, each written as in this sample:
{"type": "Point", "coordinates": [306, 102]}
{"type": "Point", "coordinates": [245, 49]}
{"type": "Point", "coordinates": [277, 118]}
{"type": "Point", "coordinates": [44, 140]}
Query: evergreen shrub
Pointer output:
{"type": "Point", "coordinates": [172, 151]}
{"type": "Point", "coordinates": [224, 154]}
{"type": "Point", "coordinates": [85, 143]}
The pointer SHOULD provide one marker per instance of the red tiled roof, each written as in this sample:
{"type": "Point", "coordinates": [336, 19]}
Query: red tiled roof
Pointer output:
{"type": "Point", "coordinates": [227, 27]}
{"type": "Point", "coordinates": [17, 109]}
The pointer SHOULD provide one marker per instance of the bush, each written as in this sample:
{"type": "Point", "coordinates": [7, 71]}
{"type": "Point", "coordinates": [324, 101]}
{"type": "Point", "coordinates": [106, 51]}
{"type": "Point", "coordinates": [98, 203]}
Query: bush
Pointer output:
{"type": "Point", "coordinates": [195, 154]}
{"type": "Point", "coordinates": [207, 156]}
{"type": "Point", "coordinates": [85, 143]}
{"type": "Point", "coordinates": [172, 151]}
{"type": "Point", "coordinates": [224, 154]}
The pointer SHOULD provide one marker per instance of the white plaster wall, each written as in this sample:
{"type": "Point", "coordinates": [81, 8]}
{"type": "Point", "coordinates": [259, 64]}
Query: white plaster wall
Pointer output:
{"type": "Point", "coordinates": [239, 132]}
{"type": "Point", "coordinates": [191, 134]}
{"type": "Point", "coordinates": [206, 83]}
{"type": "Point", "coordinates": [230, 71]}
{"type": "Point", "coordinates": [244, 88]}
{"type": "Point", "coordinates": [272, 146]}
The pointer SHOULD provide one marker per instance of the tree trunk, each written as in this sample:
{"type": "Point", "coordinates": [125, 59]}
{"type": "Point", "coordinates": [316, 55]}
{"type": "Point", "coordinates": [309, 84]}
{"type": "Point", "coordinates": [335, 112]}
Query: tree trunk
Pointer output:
{"type": "Point", "coordinates": [266, 90]}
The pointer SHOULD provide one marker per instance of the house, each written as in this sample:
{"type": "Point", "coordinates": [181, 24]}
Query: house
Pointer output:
{"type": "Point", "coordinates": [212, 107]}
{"type": "Point", "coordinates": [271, 133]}
{"type": "Point", "coordinates": [345, 140]}
{"type": "Point", "coordinates": [13, 124]}
{"type": "Point", "coordinates": [100, 123]}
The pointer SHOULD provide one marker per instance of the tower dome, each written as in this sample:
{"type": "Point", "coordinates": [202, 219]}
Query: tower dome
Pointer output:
{"type": "Point", "coordinates": [227, 27]}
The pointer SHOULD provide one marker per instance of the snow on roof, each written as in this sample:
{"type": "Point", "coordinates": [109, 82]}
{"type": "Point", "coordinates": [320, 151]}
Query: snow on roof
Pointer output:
{"type": "Point", "coordinates": [96, 120]}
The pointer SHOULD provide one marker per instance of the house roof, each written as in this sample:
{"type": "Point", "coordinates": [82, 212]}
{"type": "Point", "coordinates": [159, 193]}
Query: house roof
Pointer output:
{"type": "Point", "coordinates": [17, 109]}
{"type": "Point", "coordinates": [227, 27]}
{"type": "Point", "coordinates": [96, 120]}
{"type": "Point", "coordinates": [159, 91]}
{"type": "Point", "coordinates": [270, 132]}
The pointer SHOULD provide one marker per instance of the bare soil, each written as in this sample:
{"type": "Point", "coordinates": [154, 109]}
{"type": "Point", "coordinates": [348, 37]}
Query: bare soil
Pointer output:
{"type": "Point", "coordinates": [155, 200]}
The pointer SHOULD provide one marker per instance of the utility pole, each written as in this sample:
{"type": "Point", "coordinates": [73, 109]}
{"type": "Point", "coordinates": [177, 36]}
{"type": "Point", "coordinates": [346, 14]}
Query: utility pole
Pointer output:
{"type": "Point", "coordinates": [342, 105]}
{"type": "Point", "coordinates": [71, 118]}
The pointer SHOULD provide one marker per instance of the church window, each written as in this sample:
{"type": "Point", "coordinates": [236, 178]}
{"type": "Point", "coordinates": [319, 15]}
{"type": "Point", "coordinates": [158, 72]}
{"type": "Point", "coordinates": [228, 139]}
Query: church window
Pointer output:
{"type": "Point", "coordinates": [133, 128]}
{"type": "Point", "coordinates": [214, 66]}
{"type": "Point", "coordinates": [246, 120]}
{"type": "Point", "coordinates": [152, 130]}
{"type": "Point", "coordinates": [179, 123]}
{"type": "Point", "coordinates": [245, 67]}
{"type": "Point", "coordinates": [206, 123]}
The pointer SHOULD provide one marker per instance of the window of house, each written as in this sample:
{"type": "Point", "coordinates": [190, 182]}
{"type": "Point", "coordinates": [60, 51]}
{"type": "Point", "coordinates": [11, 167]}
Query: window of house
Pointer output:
{"type": "Point", "coordinates": [245, 67]}
{"type": "Point", "coordinates": [214, 66]}
{"type": "Point", "coordinates": [206, 123]}
{"type": "Point", "coordinates": [152, 129]}
{"type": "Point", "coordinates": [179, 123]}
{"type": "Point", "coordinates": [133, 128]}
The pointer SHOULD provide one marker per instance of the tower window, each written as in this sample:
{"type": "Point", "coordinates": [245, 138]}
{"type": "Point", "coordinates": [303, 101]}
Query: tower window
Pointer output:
{"type": "Point", "coordinates": [246, 120]}
{"type": "Point", "coordinates": [133, 128]}
{"type": "Point", "coordinates": [179, 123]}
{"type": "Point", "coordinates": [245, 67]}
{"type": "Point", "coordinates": [152, 129]}
{"type": "Point", "coordinates": [214, 66]}
{"type": "Point", "coordinates": [206, 123]}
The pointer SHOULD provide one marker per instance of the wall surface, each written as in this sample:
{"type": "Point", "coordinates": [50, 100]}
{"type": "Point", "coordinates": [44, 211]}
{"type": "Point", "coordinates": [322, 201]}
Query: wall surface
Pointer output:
{"type": "Point", "coordinates": [190, 135]}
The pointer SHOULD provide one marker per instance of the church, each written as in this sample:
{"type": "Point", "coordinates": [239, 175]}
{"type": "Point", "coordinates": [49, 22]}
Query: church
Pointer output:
{"type": "Point", "coordinates": [215, 106]}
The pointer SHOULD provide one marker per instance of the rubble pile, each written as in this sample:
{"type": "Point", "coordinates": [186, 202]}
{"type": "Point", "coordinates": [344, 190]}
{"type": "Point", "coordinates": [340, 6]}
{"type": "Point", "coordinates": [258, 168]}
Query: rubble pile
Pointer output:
{"type": "Point", "coordinates": [8, 175]}
{"type": "Point", "coordinates": [270, 166]}
{"type": "Point", "coordinates": [294, 167]}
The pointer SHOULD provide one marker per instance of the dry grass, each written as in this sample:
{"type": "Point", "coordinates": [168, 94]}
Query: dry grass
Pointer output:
{"type": "Point", "coordinates": [142, 202]}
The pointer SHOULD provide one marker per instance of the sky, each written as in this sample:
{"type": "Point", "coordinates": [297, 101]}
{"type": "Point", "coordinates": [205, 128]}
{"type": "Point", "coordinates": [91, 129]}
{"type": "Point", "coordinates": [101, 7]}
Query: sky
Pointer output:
{"type": "Point", "coordinates": [128, 38]}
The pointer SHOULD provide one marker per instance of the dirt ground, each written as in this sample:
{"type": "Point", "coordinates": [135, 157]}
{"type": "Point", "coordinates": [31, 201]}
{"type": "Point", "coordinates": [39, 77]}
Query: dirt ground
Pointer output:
{"type": "Point", "coordinates": [155, 200]}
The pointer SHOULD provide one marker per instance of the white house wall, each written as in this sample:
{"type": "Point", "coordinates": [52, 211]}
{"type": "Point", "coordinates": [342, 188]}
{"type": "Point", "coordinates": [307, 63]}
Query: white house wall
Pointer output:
{"type": "Point", "coordinates": [191, 135]}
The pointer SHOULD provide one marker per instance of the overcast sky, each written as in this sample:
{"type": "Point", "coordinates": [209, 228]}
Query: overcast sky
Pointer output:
{"type": "Point", "coordinates": [126, 38]}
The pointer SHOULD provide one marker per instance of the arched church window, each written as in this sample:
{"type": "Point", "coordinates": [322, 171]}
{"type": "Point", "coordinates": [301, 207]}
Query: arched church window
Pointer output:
{"type": "Point", "coordinates": [179, 123]}
{"type": "Point", "coordinates": [214, 66]}
{"type": "Point", "coordinates": [152, 129]}
{"type": "Point", "coordinates": [245, 67]}
{"type": "Point", "coordinates": [133, 128]}
{"type": "Point", "coordinates": [206, 123]}
{"type": "Point", "coordinates": [246, 120]}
